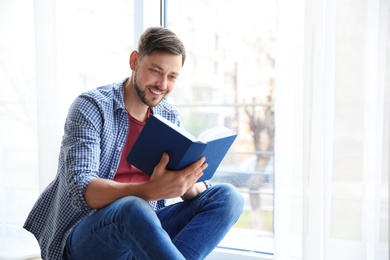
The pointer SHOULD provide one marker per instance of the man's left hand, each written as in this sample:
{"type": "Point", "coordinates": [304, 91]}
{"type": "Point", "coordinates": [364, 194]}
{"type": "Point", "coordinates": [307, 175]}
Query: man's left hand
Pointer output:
{"type": "Point", "coordinates": [192, 192]}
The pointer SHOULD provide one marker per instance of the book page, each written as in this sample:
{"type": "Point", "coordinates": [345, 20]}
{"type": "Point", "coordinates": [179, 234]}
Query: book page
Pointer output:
{"type": "Point", "coordinates": [176, 127]}
{"type": "Point", "coordinates": [215, 133]}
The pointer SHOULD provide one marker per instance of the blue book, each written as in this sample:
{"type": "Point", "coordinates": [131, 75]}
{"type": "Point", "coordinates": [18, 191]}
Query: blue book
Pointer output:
{"type": "Point", "coordinates": [160, 135]}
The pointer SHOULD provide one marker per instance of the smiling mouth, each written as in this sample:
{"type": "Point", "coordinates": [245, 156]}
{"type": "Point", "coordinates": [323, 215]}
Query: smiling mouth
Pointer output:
{"type": "Point", "coordinates": [155, 91]}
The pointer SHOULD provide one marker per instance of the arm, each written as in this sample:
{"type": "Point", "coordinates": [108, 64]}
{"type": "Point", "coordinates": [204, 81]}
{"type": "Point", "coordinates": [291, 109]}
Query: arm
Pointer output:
{"type": "Point", "coordinates": [163, 184]}
{"type": "Point", "coordinates": [194, 191]}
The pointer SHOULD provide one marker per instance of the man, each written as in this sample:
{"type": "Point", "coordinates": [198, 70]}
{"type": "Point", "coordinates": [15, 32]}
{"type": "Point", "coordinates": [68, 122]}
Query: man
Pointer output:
{"type": "Point", "coordinates": [101, 207]}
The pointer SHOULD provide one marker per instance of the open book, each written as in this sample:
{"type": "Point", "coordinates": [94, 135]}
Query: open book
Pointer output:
{"type": "Point", "coordinates": [160, 135]}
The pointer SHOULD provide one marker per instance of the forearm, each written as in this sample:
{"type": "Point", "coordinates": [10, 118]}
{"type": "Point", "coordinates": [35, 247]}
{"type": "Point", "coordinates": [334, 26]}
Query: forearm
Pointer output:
{"type": "Point", "coordinates": [163, 184]}
{"type": "Point", "coordinates": [102, 192]}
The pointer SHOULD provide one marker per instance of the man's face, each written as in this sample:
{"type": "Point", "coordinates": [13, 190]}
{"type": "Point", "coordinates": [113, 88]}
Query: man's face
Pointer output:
{"type": "Point", "coordinates": [155, 76]}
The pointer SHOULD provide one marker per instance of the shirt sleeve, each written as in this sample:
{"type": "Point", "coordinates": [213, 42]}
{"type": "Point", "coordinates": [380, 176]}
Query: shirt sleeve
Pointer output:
{"type": "Point", "coordinates": [81, 149]}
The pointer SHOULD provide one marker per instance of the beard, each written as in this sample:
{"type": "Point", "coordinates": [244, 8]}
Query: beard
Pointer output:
{"type": "Point", "coordinates": [142, 93]}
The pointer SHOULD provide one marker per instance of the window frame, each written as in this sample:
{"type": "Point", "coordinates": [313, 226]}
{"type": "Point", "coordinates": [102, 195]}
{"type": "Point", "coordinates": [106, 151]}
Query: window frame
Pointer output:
{"type": "Point", "coordinates": [219, 252]}
{"type": "Point", "coordinates": [147, 13]}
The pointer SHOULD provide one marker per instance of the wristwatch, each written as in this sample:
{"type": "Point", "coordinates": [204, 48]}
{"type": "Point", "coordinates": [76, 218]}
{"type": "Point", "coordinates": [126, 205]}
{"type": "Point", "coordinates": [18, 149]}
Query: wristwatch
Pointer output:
{"type": "Point", "coordinates": [207, 184]}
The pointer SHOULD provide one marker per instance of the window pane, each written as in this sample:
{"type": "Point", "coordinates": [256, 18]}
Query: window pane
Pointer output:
{"type": "Point", "coordinates": [92, 46]}
{"type": "Point", "coordinates": [18, 128]}
{"type": "Point", "coordinates": [228, 80]}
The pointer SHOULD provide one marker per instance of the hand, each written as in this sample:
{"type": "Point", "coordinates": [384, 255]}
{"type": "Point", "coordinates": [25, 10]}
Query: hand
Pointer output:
{"type": "Point", "coordinates": [192, 192]}
{"type": "Point", "coordinates": [170, 184]}
{"type": "Point", "coordinates": [163, 184]}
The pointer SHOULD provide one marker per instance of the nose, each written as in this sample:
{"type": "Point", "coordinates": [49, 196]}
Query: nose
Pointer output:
{"type": "Point", "coordinates": [162, 83]}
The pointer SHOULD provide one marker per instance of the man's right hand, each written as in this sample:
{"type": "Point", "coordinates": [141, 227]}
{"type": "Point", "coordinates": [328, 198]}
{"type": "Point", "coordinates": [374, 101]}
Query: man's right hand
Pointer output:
{"type": "Point", "coordinates": [165, 184]}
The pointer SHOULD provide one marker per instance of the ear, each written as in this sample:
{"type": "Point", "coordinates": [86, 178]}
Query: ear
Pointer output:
{"type": "Point", "coordinates": [133, 60]}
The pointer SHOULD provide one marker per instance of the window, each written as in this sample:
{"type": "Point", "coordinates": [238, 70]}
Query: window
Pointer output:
{"type": "Point", "coordinates": [58, 58]}
{"type": "Point", "coordinates": [18, 146]}
{"type": "Point", "coordinates": [18, 128]}
{"type": "Point", "coordinates": [228, 80]}
{"type": "Point", "coordinates": [39, 43]}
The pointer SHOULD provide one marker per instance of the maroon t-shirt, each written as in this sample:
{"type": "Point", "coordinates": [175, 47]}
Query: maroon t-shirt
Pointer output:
{"type": "Point", "coordinates": [127, 172]}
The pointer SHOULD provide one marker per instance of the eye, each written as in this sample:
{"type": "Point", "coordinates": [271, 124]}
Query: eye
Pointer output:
{"type": "Point", "coordinates": [155, 71]}
{"type": "Point", "coordinates": [172, 77]}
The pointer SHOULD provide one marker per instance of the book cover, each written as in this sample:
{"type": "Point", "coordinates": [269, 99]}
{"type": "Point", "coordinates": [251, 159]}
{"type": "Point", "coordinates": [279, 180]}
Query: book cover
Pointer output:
{"type": "Point", "coordinates": [160, 135]}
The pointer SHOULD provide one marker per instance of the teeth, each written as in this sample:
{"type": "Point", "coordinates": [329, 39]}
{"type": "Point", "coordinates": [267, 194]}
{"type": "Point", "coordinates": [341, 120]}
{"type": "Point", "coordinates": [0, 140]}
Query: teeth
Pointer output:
{"type": "Point", "coordinates": [156, 92]}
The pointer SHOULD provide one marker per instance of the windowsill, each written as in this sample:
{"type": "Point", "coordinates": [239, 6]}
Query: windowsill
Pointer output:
{"type": "Point", "coordinates": [244, 244]}
{"type": "Point", "coordinates": [239, 244]}
{"type": "Point", "coordinates": [248, 240]}
{"type": "Point", "coordinates": [232, 254]}
{"type": "Point", "coordinates": [17, 243]}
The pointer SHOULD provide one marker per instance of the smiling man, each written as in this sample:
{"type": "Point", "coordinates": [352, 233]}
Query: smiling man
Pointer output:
{"type": "Point", "coordinates": [101, 207]}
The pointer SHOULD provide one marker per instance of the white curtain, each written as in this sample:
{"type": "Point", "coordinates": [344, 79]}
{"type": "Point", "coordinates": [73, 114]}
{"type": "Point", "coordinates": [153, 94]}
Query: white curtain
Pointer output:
{"type": "Point", "coordinates": [332, 130]}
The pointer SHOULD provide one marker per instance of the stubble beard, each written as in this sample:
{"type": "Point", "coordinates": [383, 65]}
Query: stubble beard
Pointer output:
{"type": "Point", "coordinates": [141, 93]}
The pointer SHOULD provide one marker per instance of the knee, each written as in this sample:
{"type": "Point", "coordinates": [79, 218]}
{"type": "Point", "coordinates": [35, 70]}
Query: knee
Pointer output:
{"type": "Point", "coordinates": [131, 207]}
{"type": "Point", "coordinates": [131, 202]}
{"type": "Point", "coordinates": [231, 198]}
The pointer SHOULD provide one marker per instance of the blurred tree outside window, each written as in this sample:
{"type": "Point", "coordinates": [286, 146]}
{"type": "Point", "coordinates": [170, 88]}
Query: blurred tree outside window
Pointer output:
{"type": "Point", "coordinates": [228, 79]}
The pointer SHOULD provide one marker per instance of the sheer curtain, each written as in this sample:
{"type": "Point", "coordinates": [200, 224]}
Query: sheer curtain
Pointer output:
{"type": "Point", "coordinates": [332, 121]}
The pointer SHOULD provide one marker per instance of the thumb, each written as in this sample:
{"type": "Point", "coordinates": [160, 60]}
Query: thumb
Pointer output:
{"type": "Point", "coordinates": [164, 161]}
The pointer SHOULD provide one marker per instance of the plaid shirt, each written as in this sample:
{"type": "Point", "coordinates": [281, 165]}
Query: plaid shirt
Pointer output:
{"type": "Point", "coordinates": [95, 132]}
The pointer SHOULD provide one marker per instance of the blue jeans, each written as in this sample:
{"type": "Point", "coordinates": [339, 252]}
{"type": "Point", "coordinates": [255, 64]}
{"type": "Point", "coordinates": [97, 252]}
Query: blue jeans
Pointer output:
{"type": "Point", "coordinates": [130, 229]}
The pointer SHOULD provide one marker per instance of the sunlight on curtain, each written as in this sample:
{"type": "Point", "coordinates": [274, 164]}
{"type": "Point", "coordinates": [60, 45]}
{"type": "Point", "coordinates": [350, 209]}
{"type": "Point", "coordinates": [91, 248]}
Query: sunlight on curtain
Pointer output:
{"type": "Point", "coordinates": [18, 126]}
{"type": "Point", "coordinates": [50, 51]}
{"type": "Point", "coordinates": [332, 130]}
{"type": "Point", "coordinates": [87, 44]}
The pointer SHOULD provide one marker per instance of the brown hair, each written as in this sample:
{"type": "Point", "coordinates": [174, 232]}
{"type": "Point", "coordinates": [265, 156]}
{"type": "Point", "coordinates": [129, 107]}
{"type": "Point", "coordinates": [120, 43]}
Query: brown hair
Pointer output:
{"type": "Point", "coordinates": [160, 39]}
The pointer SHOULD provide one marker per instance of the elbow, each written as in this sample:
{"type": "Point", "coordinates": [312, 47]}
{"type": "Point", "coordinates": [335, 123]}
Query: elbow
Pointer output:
{"type": "Point", "coordinates": [91, 200]}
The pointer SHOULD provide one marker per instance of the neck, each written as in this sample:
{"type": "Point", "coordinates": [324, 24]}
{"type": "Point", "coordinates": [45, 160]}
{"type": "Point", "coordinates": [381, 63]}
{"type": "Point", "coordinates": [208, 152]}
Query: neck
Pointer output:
{"type": "Point", "coordinates": [134, 106]}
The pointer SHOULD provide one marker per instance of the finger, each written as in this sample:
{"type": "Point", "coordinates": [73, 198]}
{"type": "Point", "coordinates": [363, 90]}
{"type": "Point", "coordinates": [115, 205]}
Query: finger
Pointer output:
{"type": "Point", "coordinates": [201, 161]}
{"type": "Point", "coordinates": [199, 175]}
{"type": "Point", "coordinates": [204, 166]}
{"type": "Point", "coordinates": [164, 161]}
{"type": "Point", "coordinates": [194, 167]}
{"type": "Point", "coordinates": [200, 171]}
{"type": "Point", "coordinates": [201, 164]}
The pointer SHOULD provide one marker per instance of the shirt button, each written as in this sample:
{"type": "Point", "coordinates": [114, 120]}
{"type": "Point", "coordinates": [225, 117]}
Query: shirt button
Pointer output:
{"type": "Point", "coordinates": [112, 171]}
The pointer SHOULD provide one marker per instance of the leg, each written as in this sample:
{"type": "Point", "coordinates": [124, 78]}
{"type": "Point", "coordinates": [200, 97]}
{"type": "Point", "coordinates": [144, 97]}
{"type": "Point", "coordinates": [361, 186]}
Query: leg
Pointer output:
{"type": "Point", "coordinates": [127, 228]}
{"type": "Point", "coordinates": [197, 226]}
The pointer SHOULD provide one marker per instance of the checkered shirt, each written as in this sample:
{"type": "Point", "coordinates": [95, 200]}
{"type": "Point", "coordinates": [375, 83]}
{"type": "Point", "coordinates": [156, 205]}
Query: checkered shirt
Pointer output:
{"type": "Point", "coordinates": [95, 132]}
